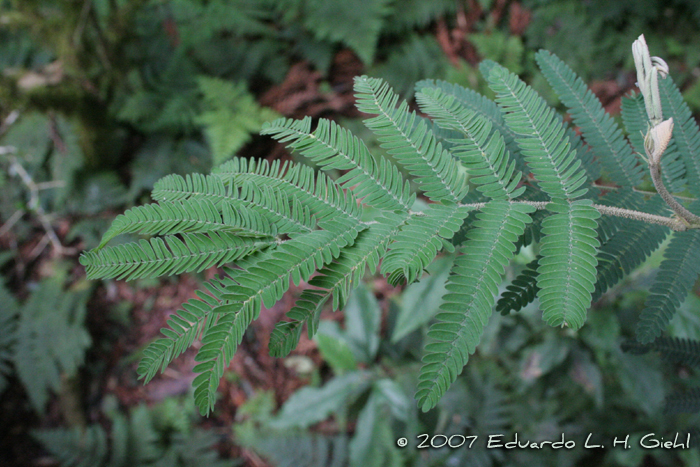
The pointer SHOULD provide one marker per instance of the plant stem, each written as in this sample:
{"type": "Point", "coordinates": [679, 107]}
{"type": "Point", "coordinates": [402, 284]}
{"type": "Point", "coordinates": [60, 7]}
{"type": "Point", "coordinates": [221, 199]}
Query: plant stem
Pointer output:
{"type": "Point", "coordinates": [686, 216]}
{"type": "Point", "coordinates": [642, 192]}
{"type": "Point", "coordinates": [671, 223]}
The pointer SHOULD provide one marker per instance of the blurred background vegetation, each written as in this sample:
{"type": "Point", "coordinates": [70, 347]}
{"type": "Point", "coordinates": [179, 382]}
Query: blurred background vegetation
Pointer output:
{"type": "Point", "coordinates": [101, 98]}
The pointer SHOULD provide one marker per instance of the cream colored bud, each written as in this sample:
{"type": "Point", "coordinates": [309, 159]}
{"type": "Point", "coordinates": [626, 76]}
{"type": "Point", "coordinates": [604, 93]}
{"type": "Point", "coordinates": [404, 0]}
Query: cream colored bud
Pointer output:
{"type": "Point", "coordinates": [658, 140]}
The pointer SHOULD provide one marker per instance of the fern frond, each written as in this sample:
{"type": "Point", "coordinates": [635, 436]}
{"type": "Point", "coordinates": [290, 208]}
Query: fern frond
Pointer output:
{"type": "Point", "coordinates": [418, 56]}
{"type": "Point", "coordinates": [319, 193]}
{"type": "Point", "coordinates": [50, 340]}
{"type": "Point", "coordinates": [75, 447]}
{"type": "Point", "coordinates": [297, 448]}
{"type": "Point", "coordinates": [230, 116]}
{"type": "Point", "coordinates": [567, 269]}
{"type": "Point", "coordinates": [345, 273]}
{"type": "Point", "coordinates": [169, 255]}
{"type": "Point", "coordinates": [686, 133]}
{"type": "Point", "coordinates": [286, 215]}
{"type": "Point", "coordinates": [360, 28]}
{"type": "Point", "coordinates": [188, 216]}
{"type": "Point", "coordinates": [471, 287]}
{"type": "Point", "coordinates": [285, 337]}
{"type": "Point", "coordinates": [600, 131]}
{"type": "Point", "coordinates": [333, 147]}
{"type": "Point", "coordinates": [263, 279]}
{"type": "Point", "coordinates": [542, 137]}
{"type": "Point", "coordinates": [677, 274]}
{"type": "Point", "coordinates": [184, 327]}
{"type": "Point", "coordinates": [420, 239]}
{"type": "Point", "coordinates": [634, 116]}
{"type": "Point", "coordinates": [522, 291]}
{"type": "Point", "coordinates": [410, 141]}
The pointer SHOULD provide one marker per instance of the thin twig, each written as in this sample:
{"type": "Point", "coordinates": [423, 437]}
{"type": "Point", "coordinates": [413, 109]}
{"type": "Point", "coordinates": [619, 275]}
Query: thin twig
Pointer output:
{"type": "Point", "coordinates": [35, 205]}
{"type": "Point", "coordinates": [11, 221]}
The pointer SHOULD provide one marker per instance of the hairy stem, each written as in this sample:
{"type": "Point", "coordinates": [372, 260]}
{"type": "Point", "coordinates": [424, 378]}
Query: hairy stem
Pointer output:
{"type": "Point", "coordinates": [671, 223]}
{"type": "Point", "coordinates": [688, 217]}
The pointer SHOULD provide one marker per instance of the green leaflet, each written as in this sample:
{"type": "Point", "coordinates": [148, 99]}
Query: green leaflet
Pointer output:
{"type": "Point", "coordinates": [287, 214]}
{"type": "Point", "coordinates": [320, 194]}
{"type": "Point", "coordinates": [541, 136]}
{"type": "Point", "coordinates": [412, 144]}
{"type": "Point", "coordinates": [344, 274]}
{"type": "Point", "coordinates": [285, 337]}
{"type": "Point", "coordinates": [420, 239]}
{"type": "Point", "coordinates": [677, 273]}
{"type": "Point", "coordinates": [686, 133]}
{"type": "Point", "coordinates": [486, 159]}
{"type": "Point", "coordinates": [484, 107]}
{"type": "Point", "coordinates": [189, 216]}
{"type": "Point", "coordinates": [332, 147]}
{"type": "Point", "coordinates": [682, 351]}
{"type": "Point", "coordinates": [472, 287]}
{"type": "Point", "coordinates": [183, 328]}
{"type": "Point", "coordinates": [521, 292]}
{"type": "Point", "coordinates": [263, 279]}
{"type": "Point", "coordinates": [567, 269]}
{"type": "Point", "coordinates": [599, 129]}
{"type": "Point", "coordinates": [169, 255]}
{"type": "Point", "coordinates": [628, 247]}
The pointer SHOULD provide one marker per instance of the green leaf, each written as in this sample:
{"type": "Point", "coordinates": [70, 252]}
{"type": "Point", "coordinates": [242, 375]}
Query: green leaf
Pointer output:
{"type": "Point", "coordinates": [362, 323]}
{"type": "Point", "coordinates": [261, 280]}
{"type": "Point", "coordinates": [686, 133]}
{"type": "Point", "coordinates": [374, 444]}
{"type": "Point", "coordinates": [599, 129]}
{"type": "Point", "coordinates": [420, 301]}
{"type": "Point", "coordinates": [482, 151]}
{"type": "Point", "coordinates": [335, 148]}
{"type": "Point", "coordinates": [421, 237]}
{"type": "Point", "coordinates": [567, 270]}
{"type": "Point", "coordinates": [285, 337]}
{"type": "Point", "coordinates": [677, 273]}
{"type": "Point", "coordinates": [542, 138]}
{"type": "Point", "coordinates": [467, 306]}
{"type": "Point", "coordinates": [320, 194]}
{"type": "Point", "coordinates": [410, 141]}
{"type": "Point", "coordinates": [311, 405]}
{"type": "Point", "coordinates": [335, 351]}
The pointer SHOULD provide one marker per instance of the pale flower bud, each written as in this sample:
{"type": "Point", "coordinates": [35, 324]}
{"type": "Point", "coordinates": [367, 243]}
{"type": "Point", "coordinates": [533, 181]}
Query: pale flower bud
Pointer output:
{"type": "Point", "coordinates": [657, 141]}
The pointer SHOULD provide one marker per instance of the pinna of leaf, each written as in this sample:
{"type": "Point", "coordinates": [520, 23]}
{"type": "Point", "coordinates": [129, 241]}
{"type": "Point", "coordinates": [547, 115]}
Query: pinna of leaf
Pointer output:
{"type": "Point", "coordinates": [278, 222]}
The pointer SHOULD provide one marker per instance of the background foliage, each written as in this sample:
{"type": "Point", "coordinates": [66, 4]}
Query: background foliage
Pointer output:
{"type": "Point", "coordinates": [101, 98]}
